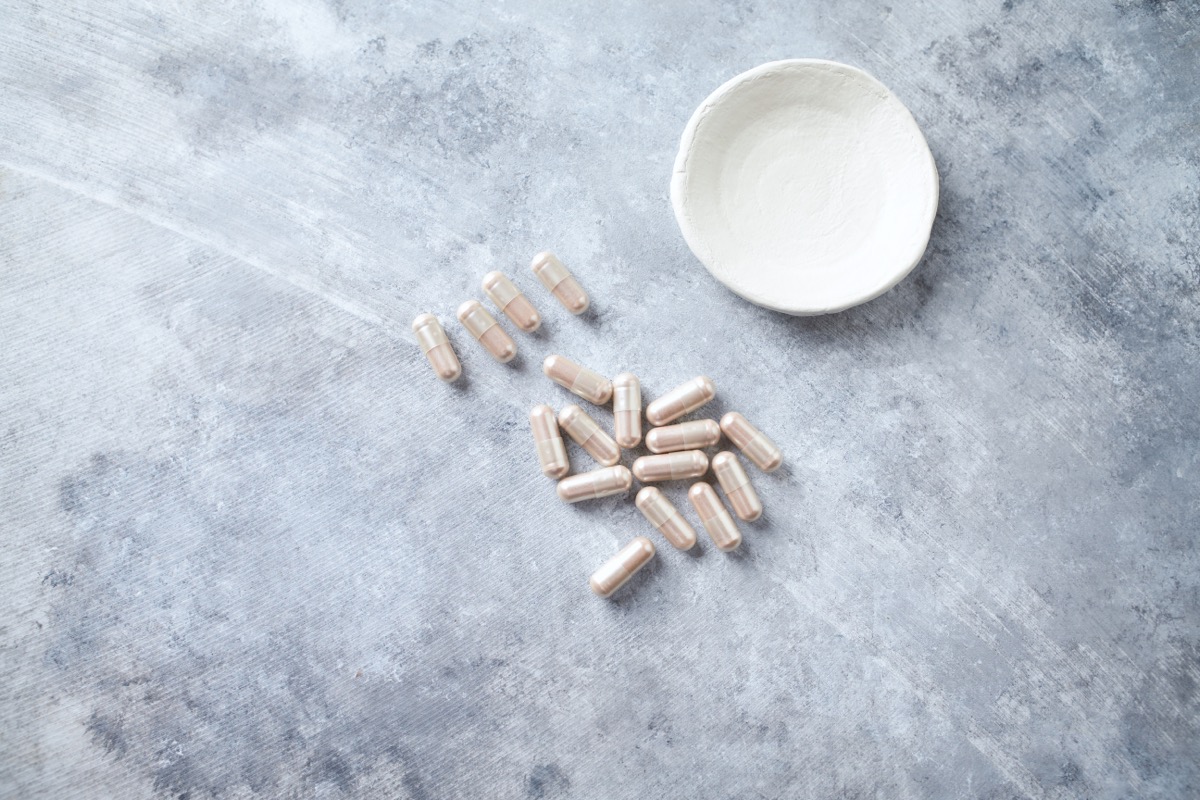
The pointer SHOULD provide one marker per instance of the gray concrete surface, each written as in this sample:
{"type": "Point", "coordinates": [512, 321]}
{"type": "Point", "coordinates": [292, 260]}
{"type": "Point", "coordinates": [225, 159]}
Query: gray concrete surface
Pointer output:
{"type": "Point", "coordinates": [252, 548]}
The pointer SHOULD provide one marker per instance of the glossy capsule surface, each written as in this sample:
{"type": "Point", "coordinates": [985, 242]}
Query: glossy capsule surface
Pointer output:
{"type": "Point", "coordinates": [663, 515]}
{"type": "Point", "coordinates": [551, 452]}
{"type": "Point", "coordinates": [681, 400]}
{"type": "Point", "coordinates": [483, 326]}
{"type": "Point", "coordinates": [720, 526]}
{"type": "Point", "coordinates": [627, 409]}
{"type": "Point", "coordinates": [586, 433]}
{"type": "Point", "coordinates": [561, 283]}
{"type": "Point", "coordinates": [594, 484]}
{"type": "Point", "coordinates": [617, 571]}
{"type": "Point", "coordinates": [683, 436]}
{"type": "Point", "coordinates": [671, 466]}
{"type": "Point", "coordinates": [737, 487]}
{"type": "Point", "coordinates": [508, 298]}
{"type": "Point", "coordinates": [436, 347]}
{"type": "Point", "coordinates": [581, 381]}
{"type": "Point", "coordinates": [751, 441]}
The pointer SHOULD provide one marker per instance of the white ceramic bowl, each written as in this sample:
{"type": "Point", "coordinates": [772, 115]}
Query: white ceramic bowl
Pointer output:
{"type": "Point", "coordinates": [805, 186]}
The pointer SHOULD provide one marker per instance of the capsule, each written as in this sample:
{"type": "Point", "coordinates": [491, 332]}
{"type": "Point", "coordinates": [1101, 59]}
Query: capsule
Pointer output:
{"type": "Point", "coordinates": [737, 486]}
{"type": "Point", "coordinates": [591, 386]}
{"type": "Point", "coordinates": [671, 466]}
{"type": "Point", "coordinates": [552, 453]}
{"type": "Point", "coordinates": [436, 347]}
{"type": "Point", "coordinates": [617, 571]}
{"type": "Point", "coordinates": [663, 515]}
{"type": "Point", "coordinates": [594, 484]}
{"type": "Point", "coordinates": [716, 519]}
{"type": "Point", "coordinates": [751, 441]}
{"type": "Point", "coordinates": [627, 409]}
{"type": "Point", "coordinates": [483, 326]}
{"type": "Point", "coordinates": [558, 279]}
{"type": "Point", "coordinates": [588, 435]}
{"type": "Point", "coordinates": [681, 400]}
{"type": "Point", "coordinates": [683, 436]}
{"type": "Point", "coordinates": [508, 298]}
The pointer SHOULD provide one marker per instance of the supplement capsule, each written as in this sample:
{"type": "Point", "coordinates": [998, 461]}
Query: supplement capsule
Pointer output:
{"type": "Point", "coordinates": [508, 298]}
{"type": "Point", "coordinates": [671, 466]}
{"type": "Point", "coordinates": [627, 409]}
{"type": "Point", "coordinates": [683, 436]}
{"type": "Point", "coordinates": [591, 386]}
{"type": "Point", "coordinates": [681, 400]}
{"type": "Point", "coordinates": [558, 279]}
{"type": "Point", "coordinates": [737, 486]}
{"type": "Point", "coordinates": [552, 453]}
{"type": "Point", "coordinates": [436, 347]}
{"type": "Point", "coordinates": [594, 484]}
{"type": "Point", "coordinates": [617, 571]}
{"type": "Point", "coordinates": [588, 435]}
{"type": "Point", "coordinates": [716, 519]}
{"type": "Point", "coordinates": [483, 326]}
{"type": "Point", "coordinates": [663, 515]}
{"type": "Point", "coordinates": [751, 441]}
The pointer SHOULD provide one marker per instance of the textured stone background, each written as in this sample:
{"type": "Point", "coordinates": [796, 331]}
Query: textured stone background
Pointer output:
{"type": "Point", "coordinates": [252, 547]}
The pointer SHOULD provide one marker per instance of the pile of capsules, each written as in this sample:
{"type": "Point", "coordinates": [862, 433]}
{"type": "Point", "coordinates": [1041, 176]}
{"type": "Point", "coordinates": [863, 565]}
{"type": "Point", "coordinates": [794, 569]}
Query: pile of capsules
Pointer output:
{"type": "Point", "coordinates": [676, 449]}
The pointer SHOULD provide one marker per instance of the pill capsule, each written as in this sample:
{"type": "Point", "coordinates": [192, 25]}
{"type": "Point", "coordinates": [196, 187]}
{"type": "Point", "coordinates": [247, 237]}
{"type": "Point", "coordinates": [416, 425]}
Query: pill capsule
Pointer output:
{"type": "Point", "coordinates": [737, 486]}
{"type": "Point", "coordinates": [627, 409]}
{"type": "Point", "coordinates": [588, 435]}
{"type": "Point", "coordinates": [671, 466]}
{"type": "Point", "coordinates": [508, 298]}
{"type": "Point", "coordinates": [683, 436]}
{"type": "Point", "coordinates": [663, 515]}
{"type": "Point", "coordinates": [751, 441]}
{"type": "Point", "coordinates": [594, 484]}
{"type": "Point", "coordinates": [551, 452]}
{"type": "Point", "coordinates": [617, 571]}
{"type": "Point", "coordinates": [716, 519]}
{"type": "Point", "coordinates": [483, 326]}
{"type": "Point", "coordinates": [436, 347]}
{"type": "Point", "coordinates": [558, 279]}
{"type": "Point", "coordinates": [591, 386]}
{"type": "Point", "coordinates": [681, 400]}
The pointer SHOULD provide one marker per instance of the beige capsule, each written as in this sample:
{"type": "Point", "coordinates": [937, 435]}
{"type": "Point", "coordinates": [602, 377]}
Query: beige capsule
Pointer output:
{"type": "Point", "coordinates": [561, 283]}
{"type": "Point", "coordinates": [751, 441]}
{"type": "Point", "coordinates": [551, 452]}
{"type": "Point", "coordinates": [737, 486]}
{"type": "Point", "coordinates": [683, 436]}
{"type": "Point", "coordinates": [594, 484]}
{"type": "Point", "coordinates": [627, 409]}
{"type": "Point", "coordinates": [663, 515]}
{"type": "Point", "coordinates": [591, 386]}
{"type": "Point", "coordinates": [436, 347]}
{"type": "Point", "coordinates": [671, 466]}
{"type": "Point", "coordinates": [720, 526]}
{"type": "Point", "coordinates": [508, 298]}
{"type": "Point", "coordinates": [681, 400]}
{"type": "Point", "coordinates": [483, 326]}
{"type": "Point", "coordinates": [586, 433]}
{"type": "Point", "coordinates": [617, 571]}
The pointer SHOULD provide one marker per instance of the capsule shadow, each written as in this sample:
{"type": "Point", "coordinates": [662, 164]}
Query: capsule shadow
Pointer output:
{"type": "Point", "coordinates": [628, 594]}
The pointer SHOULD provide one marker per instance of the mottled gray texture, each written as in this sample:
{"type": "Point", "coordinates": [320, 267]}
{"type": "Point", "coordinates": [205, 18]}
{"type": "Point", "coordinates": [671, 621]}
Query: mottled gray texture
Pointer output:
{"type": "Point", "coordinates": [252, 547]}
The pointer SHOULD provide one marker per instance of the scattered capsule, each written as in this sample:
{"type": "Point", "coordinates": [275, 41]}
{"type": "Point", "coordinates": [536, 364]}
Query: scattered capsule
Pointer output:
{"type": "Point", "coordinates": [617, 571]}
{"type": "Point", "coordinates": [594, 484]}
{"type": "Point", "coordinates": [671, 466]}
{"type": "Point", "coordinates": [737, 486]}
{"type": "Point", "coordinates": [508, 298]}
{"type": "Point", "coordinates": [436, 347]}
{"type": "Point", "coordinates": [591, 386]}
{"type": "Point", "coordinates": [751, 441]}
{"type": "Point", "coordinates": [552, 453]}
{"type": "Point", "coordinates": [663, 515]}
{"type": "Point", "coordinates": [681, 400]}
{"type": "Point", "coordinates": [683, 436]}
{"type": "Point", "coordinates": [716, 519]}
{"type": "Point", "coordinates": [627, 409]}
{"type": "Point", "coordinates": [483, 326]}
{"type": "Point", "coordinates": [588, 435]}
{"type": "Point", "coordinates": [559, 281]}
